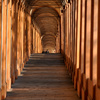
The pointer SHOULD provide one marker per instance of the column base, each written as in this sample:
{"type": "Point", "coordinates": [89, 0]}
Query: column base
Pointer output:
{"type": "Point", "coordinates": [16, 74]}
{"type": "Point", "coordinates": [75, 79]}
{"type": "Point", "coordinates": [21, 67]}
{"type": "Point", "coordinates": [13, 78]}
{"type": "Point", "coordinates": [79, 89]}
{"type": "Point", "coordinates": [0, 94]}
{"type": "Point", "coordinates": [4, 90]}
{"type": "Point", "coordinates": [90, 90]}
{"type": "Point", "coordinates": [8, 84]}
{"type": "Point", "coordinates": [84, 94]}
{"type": "Point", "coordinates": [97, 92]}
{"type": "Point", "coordinates": [84, 88]}
{"type": "Point", "coordinates": [19, 71]}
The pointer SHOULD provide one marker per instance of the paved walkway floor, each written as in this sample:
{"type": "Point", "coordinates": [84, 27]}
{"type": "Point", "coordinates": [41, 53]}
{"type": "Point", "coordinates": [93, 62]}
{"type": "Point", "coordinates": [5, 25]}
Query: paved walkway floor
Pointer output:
{"type": "Point", "coordinates": [44, 77]}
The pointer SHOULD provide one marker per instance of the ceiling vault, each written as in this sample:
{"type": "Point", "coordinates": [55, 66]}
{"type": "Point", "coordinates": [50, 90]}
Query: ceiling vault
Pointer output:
{"type": "Point", "coordinates": [46, 16]}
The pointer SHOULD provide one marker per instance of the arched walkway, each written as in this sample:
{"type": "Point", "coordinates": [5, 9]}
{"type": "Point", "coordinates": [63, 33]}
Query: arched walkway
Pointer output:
{"type": "Point", "coordinates": [69, 30]}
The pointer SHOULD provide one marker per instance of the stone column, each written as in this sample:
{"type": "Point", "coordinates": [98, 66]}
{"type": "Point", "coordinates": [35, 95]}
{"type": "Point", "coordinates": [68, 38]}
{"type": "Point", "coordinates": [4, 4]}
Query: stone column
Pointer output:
{"type": "Point", "coordinates": [75, 54]}
{"type": "Point", "coordinates": [66, 35]}
{"type": "Point", "coordinates": [18, 39]}
{"type": "Point", "coordinates": [29, 35]}
{"type": "Point", "coordinates": [83, 48]}
{"type": "Point", "coordinates": [0, 45]}
{"type": "Point", "coordinates": [33, 38]}
{"type": "Point", "coordinates": [79, 81]}
{"type": "Point", "coordinates": [62, 32]}
{"type": "Point", "coordinates": [22, 37]}
{"type": "Point", "coordinates": [73, 39]}
{"type": "Point", "coordinates": [3, 59]}
{"type": "Point", "coordinates": [8, 76]}
{"type": "Point", "coordinates": [36, 41]}
{"type": "Point", "coordinates": [78, 34]}
{"type": "Point", "coordinates": [95, 41]}
{"type": "Point", "coordinates": [58, 38]}
{"type": "Point", "coordinates": [13, 60]}
{"type": "Point", "coordinates": [98, 43]}
{"type": "Point", "coordinates": [69, 32]}
{"type": "Point", "coordinates": [88, 39]}
{"type": "Point", "coordinates": [83, 38]}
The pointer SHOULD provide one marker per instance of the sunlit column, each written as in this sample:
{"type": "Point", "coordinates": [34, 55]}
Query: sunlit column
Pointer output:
{"type": "Point", "coordinates": [18, 39]}
{"type": "Point", "coordinates": [79, 82]}
{"type": "Point", "coordinates": [3, 59]}
{"type": "Point", "coordinates": [22, 35]}
{"type": "Point", "coordinates": [8, 65]}
{"type": "Point", "coordinates": [33, 39]}
{"type": "Point", "coordinates": [88, 39]}
{"type": "Point", "coordinates": [29, 35]}
{"type": "Point", "coordinates": [62, 32]}
{"type": "Point", "coordinates": [78, 34]}
{"type": "Point", "coordinates": [36, 41]}
{"type": "Point", "coordinates": [0, 45]}
{"type": "Point", "coordinates": [97, 2]}
{"type": "Point", "coordinates": [83, 38]}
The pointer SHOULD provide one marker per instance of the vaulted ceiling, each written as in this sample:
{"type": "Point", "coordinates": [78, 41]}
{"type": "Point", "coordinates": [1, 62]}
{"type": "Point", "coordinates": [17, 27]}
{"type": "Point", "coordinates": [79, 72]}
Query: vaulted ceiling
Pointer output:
{"type": "Point", "coordinates": [46, 15]}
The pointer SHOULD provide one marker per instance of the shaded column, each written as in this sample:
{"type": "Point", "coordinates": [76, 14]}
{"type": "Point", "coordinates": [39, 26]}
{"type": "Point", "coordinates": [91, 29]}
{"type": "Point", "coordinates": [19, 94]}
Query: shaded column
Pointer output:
{"type": "Point", "coordinates": [58, 39]}
{"type": "Point", "coordinates": [73, 39]}
{"type": "Point", "coordinates": [83, 49]}
{"type": "Point", "coordinates": [83, 37]}
{"type": "Point", "coordinates": [69, 35]}
{"type": "Point", "coordinates": [75, 54]}
{"type": "Point", "coordinates": [13, 60]}
{"type": "Point", "coordinates": [66, 32]}
{"type": "Point", "coordinates": [57, 43]}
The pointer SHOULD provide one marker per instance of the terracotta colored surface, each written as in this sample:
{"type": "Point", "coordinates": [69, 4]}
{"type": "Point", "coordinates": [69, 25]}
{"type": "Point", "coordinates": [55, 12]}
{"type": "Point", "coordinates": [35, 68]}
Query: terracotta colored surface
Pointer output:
{"type": "Point", "coordinates": [44, 77]}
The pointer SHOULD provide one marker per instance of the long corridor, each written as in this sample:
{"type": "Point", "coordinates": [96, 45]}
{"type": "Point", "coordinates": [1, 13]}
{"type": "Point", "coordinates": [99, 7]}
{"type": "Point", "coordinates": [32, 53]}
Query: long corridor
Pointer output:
{"type": "Point", "coordinates": [44, 77]}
